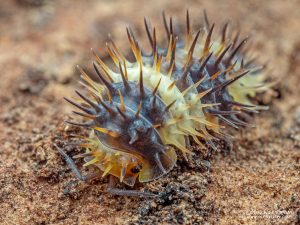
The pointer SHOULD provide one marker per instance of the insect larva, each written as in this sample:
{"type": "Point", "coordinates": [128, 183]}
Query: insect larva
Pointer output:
{"type": "Point", "coordinates": [139, 114]}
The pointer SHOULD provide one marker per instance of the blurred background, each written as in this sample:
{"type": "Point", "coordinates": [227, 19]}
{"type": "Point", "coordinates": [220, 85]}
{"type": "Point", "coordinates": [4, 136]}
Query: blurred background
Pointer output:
{"type": "Point", "coordinates": [42, 41]}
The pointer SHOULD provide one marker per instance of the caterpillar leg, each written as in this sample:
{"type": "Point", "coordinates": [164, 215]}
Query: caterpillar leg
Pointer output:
{"type": "Point", "coordinates": [115, 191]}
{"type": "Point", "coordinates": [74, 168]}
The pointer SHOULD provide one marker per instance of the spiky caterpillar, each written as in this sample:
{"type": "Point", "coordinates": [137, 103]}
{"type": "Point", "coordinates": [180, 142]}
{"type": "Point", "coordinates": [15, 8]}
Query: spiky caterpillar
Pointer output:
{"type": "Point", "coordinates": [139, 113]}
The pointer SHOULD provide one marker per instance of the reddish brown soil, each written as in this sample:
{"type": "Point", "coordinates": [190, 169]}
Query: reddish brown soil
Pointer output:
{"type": "Point", "coordinates": [40, 44]}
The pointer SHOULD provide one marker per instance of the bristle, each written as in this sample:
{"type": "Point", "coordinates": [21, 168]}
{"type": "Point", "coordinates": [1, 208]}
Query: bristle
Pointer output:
{"type": "Point", "coordinates": [86, 124]}
{"type": "Point", "coordinates": [155, 126]}
{"type": "Point", "coordinates": [257, 69]}
{"type": "Point", "coordinates": [245, 109]}
{"type": "Point", "coordinates": [94, 160]}
{"type": "Point", "coordinates": [171, 86]}
{"type": "Point", "coordinates": [141, 82]}
{"type": "Point", "coordinates": [240, 122]}
{"type": "Point", "coordinates": [116, 50]}
{"type": "Point", "coordinates": [139, 55]}
{"type": "Point", "coordinates": [203, 121]}
{"type": "Point", "coordinates": [208, 38]}
{"type": "Point", "coordinates": [107, 108]}
{"type": "Point", "coordinates": [193, 86]}
{"type": "Point", "coordinates": [85, 115]}
{"type": "Point", "coordinates": [242, 64]}
{"type": "Point", "coordinates": [171, 68]}
{"type": "Point", "coordinates": [218, 61]}
{"type": "Point", "coordinates": [169, 106]}
{"type": "Point", "coordinates": [122, 113]}
{"type": "Point", "coordinates": [218, 112]}
{"type": "Point", "coordinates": [107, 169]}
{"type": "Point", "coordinates": [125, 69]}
{"type": "Point", "coordinates": [85, 76]}
{"type": "Point", "coordinates": [230, 67]}
{"type": "Point", "coordinates": [240, 104]}
{"type": "Point", "coordinates": [148, 32]}
{"type": "Point", "coordinates": [228, 121]}
{"type": "Point", "coordinates": [153, 104]}
{"type": "Point", "coordinates": [139, 109]}
{"type": "Point", "coordinates": [95, 106]}
{"type": "Point", "coordinates": [132, 43]}
{"type": "Point", "coordinates": [103, 80]}
{"type": "Point", "coordinates": [186, 72]}
{"type": "Point", "coordinates": [188, 28]}
{"type": "Point", "coordinates": [112, 55]}
{"type": "Point", "coordinates": [204, 63]}
{"type": "Point", "coordinates": [158, 64]}
{"type": "Point", "coordinates": [215, 75]}
{"type": "Point", "coordinates": [210, 105]}
{"type": "Point", "coordinates": [96, 97]}
{"type": "Point", "coordinates": [173, 50]}
{"type": "Point", "coordinates": [205, 54]}
{"type": "Point", "coordinates": [122, 102]}
{"type": "Point", "coordinates": [103, 66]}
{"type": "Point", "coordinates": [224, 33]}
{"type": "Point", "coordinates": [227, 83]}
{"type": "Point", "coordinates": [166, 24]}
{"type": "Point", "coordinates": [156, 88]}
{"type": "Point", "coordinates": [125, 82]}
{"type": "Point", "coordinates": [87, 154]}
{"type": "Point", "coordinates": [196, 139]}
{"type": "Point", "coordinates": [109, 97]}
{"type": "Point", "coordinates": [202, 94]}
{"type": "Point", "coordinates": [154, 47]}
{"type": "Point", "coordinates": [132, 35]}
{"type": "Point", "coordinates": [106, 131]}
{"type": "Point", "coordinates": [87, 110]}
{"type": "Point", "coordinates": [236, 50]}
{"type": "Point", "coordinates": [169, 52]}
{"type": "Point", "coordinates": [191, 50]}
{"type": "Point", "coordinates": [171, 26]}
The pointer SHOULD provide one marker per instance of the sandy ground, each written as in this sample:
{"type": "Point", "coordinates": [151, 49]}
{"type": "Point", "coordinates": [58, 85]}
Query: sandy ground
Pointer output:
{"type": "Point", "coordinates": [40, 44]}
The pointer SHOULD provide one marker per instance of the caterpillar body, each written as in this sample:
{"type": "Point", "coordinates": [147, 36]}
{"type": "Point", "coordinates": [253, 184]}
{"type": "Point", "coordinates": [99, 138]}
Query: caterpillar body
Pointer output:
{"type": "Point", "coordinates": [141, 112]}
